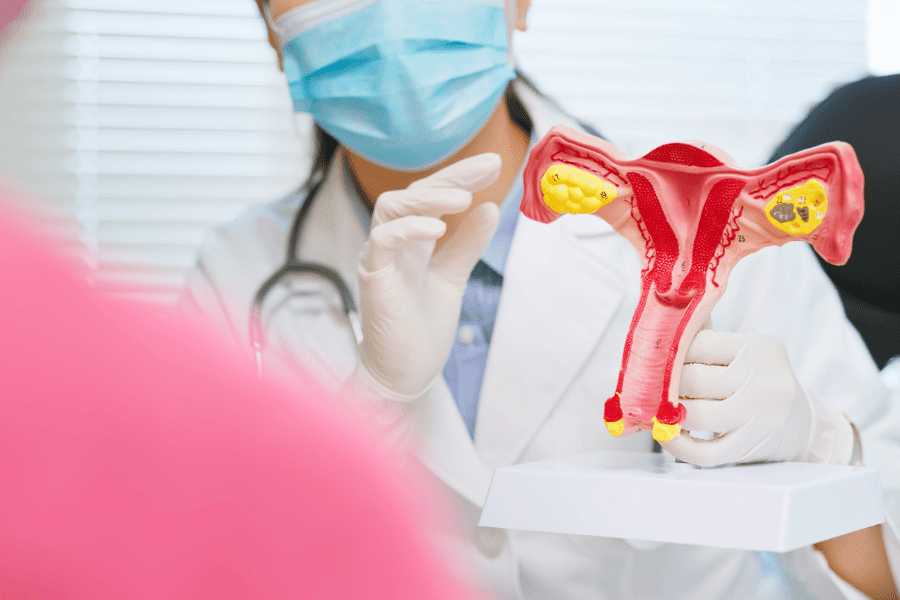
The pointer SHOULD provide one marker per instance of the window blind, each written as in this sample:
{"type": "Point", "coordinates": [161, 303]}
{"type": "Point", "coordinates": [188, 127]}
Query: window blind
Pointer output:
{"type": "Point", "coordinates": [138, 124]}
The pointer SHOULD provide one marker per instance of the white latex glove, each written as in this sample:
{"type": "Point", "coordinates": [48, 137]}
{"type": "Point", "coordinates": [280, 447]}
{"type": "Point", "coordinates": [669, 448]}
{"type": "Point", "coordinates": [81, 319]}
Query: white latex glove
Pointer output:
{"type": "Point", "coordinates": [410, 295]}
{"type": "Point", "coordinates": [742, 388]}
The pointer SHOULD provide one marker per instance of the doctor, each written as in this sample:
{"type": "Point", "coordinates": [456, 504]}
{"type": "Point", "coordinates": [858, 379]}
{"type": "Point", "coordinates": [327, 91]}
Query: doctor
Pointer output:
{"type": "Point", "coordinates": [490, 340]}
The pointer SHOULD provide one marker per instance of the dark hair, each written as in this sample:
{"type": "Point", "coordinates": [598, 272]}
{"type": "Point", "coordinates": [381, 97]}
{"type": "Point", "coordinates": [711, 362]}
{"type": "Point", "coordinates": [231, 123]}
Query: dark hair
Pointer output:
{"type": "Point", "coordinates": [325, 149]}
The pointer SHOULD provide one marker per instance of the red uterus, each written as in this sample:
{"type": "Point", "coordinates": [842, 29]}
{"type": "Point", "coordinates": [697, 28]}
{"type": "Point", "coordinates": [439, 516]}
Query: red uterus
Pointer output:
{"type": "Point", "coordinates": [692, 215]}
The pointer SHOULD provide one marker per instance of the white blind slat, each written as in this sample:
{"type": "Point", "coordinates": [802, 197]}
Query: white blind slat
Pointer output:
{"type": "Point", "coordinates": [148, 23]}
{"type": "Point", "coordinates": [143, 124]}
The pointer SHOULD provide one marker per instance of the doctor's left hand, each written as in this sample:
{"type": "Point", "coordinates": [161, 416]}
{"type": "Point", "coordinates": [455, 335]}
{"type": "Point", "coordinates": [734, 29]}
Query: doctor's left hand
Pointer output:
{"type": "Point", "coordinates": [410, 295]}
{"type": "Point", "coordinates": [742, 388]}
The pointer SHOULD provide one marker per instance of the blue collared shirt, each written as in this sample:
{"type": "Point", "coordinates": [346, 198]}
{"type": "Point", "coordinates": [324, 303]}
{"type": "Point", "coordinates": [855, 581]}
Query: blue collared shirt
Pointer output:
{"type": "Point", "coordinates": [465, 368]}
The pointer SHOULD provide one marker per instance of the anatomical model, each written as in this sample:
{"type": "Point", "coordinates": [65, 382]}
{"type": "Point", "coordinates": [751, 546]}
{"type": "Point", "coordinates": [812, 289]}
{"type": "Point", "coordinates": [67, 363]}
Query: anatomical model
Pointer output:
{"type": "Point", "coordinates": [692, 215]}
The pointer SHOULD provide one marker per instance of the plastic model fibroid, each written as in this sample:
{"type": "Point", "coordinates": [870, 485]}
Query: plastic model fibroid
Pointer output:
{"type": "Point", "coordinates": [692, 216]}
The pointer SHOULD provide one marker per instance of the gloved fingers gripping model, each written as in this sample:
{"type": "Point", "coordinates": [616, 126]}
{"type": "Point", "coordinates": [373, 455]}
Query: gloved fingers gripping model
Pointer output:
{"type": "Point", "coordinates": [742, 388]}
{"type": "Point", "coordinates": [411, 295]}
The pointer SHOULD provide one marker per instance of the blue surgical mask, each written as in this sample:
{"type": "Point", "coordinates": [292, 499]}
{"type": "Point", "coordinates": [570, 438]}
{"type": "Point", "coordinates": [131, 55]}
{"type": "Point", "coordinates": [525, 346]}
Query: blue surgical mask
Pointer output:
{"type": "Point", "coordinates": [403, 83]}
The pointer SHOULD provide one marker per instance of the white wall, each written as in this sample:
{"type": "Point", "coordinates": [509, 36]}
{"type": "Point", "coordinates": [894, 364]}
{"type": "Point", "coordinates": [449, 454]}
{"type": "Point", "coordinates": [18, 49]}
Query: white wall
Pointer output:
{"type": "Point", "coordinates": [884, 43]}
{"type": "Point", "coordinates": [733, 73]}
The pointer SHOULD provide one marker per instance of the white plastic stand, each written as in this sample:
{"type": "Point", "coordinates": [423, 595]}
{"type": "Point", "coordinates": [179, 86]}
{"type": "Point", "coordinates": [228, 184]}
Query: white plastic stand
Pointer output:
{"type": "Point", "coordinates": [771, 507]}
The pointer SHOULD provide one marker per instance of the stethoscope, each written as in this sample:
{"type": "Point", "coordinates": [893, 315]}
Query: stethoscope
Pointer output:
{"type": "Point", "coordinates": [294, 266]}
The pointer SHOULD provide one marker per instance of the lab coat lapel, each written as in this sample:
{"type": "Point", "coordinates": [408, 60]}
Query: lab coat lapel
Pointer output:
{"type": "Point", "coordinates": [558, 297]}
{"type": "Point", "coordinates": [444, 445]}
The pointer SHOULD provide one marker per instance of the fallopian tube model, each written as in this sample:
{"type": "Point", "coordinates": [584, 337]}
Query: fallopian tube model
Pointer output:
{"type": "Point", "coordinates": [692, 215]}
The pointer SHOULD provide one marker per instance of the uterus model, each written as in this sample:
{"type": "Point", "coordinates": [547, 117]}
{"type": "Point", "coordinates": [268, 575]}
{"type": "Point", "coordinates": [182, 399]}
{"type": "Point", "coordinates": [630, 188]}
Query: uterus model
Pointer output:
{"type": "Point", "coordinates": [692, 215]}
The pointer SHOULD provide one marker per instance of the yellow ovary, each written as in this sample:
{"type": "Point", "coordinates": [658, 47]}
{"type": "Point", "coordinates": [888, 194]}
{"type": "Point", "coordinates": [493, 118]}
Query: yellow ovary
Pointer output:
{"type": "Point", "coordinates": [800, 209]}
{"type": "Point", "coordinates": [568, 189]}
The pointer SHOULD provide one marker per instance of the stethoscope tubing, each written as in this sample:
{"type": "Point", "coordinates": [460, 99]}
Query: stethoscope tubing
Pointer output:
{"type": "Point", "coordinates": [294, 266]}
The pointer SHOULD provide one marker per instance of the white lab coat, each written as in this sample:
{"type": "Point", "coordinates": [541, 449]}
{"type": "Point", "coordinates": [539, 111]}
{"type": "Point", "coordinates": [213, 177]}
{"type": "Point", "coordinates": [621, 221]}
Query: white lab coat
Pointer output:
{"type": "Point", "coordinates": [569, 292]}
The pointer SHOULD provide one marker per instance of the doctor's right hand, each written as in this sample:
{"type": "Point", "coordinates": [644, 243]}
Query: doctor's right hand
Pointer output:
{"type": "Point", "coordinates": [410, 294]}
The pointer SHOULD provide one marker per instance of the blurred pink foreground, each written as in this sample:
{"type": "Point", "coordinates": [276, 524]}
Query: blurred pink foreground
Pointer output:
{"type": "Point", "coordinates": [137, 460]}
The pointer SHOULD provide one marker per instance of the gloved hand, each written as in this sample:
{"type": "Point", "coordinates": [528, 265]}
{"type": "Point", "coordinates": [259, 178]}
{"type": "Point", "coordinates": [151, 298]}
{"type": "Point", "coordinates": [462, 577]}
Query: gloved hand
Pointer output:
{"type": "Point", "coordinates": [742, 388]}
{"type": "Point", "coordinates": [410, 295]}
